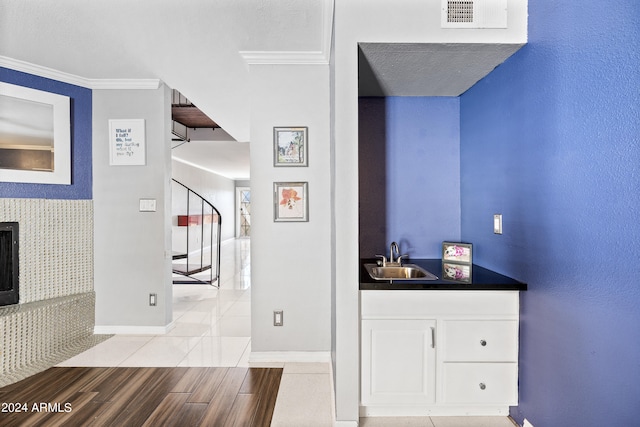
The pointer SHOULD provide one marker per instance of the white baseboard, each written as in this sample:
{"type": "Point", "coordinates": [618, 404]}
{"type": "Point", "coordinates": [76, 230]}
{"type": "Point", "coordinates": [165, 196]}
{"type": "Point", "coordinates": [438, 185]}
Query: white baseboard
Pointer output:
{"type": "Point", "coordinates": [132, 330]}
{"type": "Point", "coordinates": [346, 424]}
{"type": "Point", "coordinates": [258, 357]}
{"type": "Point", "coordinates": [434, 410]}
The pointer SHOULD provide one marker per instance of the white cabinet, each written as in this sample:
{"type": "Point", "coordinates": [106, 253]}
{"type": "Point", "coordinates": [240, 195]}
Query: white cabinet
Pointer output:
{"type": "Point", "coordinates": [399, 359]}
{"type": "Point", "coordinates": [438, 352]}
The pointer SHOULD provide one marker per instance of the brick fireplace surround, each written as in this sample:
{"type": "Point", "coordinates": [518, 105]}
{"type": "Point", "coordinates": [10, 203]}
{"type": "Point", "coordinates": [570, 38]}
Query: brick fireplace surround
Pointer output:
{"type": "Point", "coordinates": [55, 317]}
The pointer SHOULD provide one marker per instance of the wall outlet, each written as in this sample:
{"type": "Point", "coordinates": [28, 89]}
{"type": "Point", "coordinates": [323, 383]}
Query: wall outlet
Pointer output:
{"type": "Point", "coordinates": [497, 224]}
{"type": "Point", "coordinates": [527, 423]}
{"type": "Point", "coordinates": [278, 319]}
{"type": "Point", "coordinates": [153, 300]}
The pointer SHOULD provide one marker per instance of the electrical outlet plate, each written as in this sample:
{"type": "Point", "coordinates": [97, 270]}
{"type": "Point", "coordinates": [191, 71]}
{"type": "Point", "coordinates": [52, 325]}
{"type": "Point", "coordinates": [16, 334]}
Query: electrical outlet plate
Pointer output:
{"type": "Point", "coordinates": [147, 205]}
{"type": "Point", "coordinates": [153, 300]}
{"type": "Point", "coordinates": [497, 224]}
{"type": "Point", "coordinates": [278, 319]}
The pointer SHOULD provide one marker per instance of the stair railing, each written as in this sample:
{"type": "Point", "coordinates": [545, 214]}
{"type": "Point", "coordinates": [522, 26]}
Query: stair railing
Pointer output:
{"type": "Point", "coordinates": [189, 251]}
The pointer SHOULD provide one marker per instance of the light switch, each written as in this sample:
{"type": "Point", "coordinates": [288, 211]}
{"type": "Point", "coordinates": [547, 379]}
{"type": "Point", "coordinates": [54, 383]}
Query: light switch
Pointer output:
{"type": "Point", "coordinates": [497, 224]}
{"type": "Point", "coordinates": [147, 205]}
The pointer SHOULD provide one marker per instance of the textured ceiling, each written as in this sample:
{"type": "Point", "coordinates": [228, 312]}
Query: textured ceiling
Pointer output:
{"type": "Point", "coordinates": [426, 69]}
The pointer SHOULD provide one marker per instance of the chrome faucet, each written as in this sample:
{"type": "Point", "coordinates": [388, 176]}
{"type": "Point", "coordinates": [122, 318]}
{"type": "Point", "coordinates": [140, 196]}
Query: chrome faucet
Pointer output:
{"type": "Point", "coordinates": [397, 259]}
{"type": "Point", "coordinates": [393, 248]}
{"type": "Point", "coordinates": [394, 260]}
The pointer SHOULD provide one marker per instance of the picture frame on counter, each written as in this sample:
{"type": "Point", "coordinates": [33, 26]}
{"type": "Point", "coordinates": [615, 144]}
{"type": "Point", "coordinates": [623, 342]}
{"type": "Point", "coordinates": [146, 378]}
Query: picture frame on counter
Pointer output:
{"type": "Point", "coordinates": [290, 146]}
{"type": "Point", "coordinates": [457, 272]}
{"type": "Point", "coordinates": [291, 201]}
{"type": "Point", "coordinates": [457, 252]}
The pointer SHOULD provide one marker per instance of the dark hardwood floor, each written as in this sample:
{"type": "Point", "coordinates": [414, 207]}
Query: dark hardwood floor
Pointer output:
{"type": "Point", "coordinates": [130, 397]}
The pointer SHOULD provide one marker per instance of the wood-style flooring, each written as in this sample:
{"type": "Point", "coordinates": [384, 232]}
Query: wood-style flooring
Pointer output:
{"type": "Point", "coordinates": [131, 397]}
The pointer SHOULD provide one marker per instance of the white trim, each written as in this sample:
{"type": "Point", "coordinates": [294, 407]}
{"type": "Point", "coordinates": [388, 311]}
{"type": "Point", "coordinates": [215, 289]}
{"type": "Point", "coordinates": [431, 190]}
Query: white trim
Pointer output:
{"type": "Point", "coordinates": [437, 410]}
{"type": "Point", "coordinates": [132, 330]}
{"type": "Point", "coordinates": [346, 424]}
{"type": "Point", "coordinates": [61, 76]}
{"type": "Point", "coordinates": [284, 58]}
{"type": "Point", "coordinates": [289, 356]}
{"type": "Point", "coordinates": [127, 84]}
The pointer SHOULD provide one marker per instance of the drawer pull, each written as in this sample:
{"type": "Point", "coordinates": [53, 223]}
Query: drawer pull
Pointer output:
{"type": "Point", "coordinates": [483, 343]}
{"type": "Point", "coordinates": [482, 386]}
{"type": "Point", "coordinates": [433, 337]}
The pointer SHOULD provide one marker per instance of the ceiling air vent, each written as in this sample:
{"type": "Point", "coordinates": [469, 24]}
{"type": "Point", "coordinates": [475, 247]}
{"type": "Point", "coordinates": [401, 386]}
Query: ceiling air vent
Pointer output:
{"type": "Point", "coordinates": [474, 14]}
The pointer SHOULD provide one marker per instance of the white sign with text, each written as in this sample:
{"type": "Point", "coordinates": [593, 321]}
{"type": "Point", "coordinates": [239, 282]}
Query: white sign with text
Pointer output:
{"type": "Point", "coordinates": [127, 142]}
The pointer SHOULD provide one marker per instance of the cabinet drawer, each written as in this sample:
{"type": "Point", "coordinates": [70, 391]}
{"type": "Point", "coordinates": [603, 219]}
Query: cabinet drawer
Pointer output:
{"type": "Point", "coordinates": [481, 340]}
{"type": "Point", "coordinates": [480, 383]}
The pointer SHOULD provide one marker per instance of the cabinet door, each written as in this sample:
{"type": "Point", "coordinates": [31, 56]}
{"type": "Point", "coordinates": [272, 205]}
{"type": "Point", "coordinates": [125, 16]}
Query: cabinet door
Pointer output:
{"type": "Point", "coordinates": [398, 362]}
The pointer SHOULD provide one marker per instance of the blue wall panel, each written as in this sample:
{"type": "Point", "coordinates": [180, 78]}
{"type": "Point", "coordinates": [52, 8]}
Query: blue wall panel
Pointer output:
{"type": "Point", "coordinates": [550, 139]}
{"type": "Point", "coordinates": [409, 174]}
{"type": "Point", "coordinates": [81, 168]}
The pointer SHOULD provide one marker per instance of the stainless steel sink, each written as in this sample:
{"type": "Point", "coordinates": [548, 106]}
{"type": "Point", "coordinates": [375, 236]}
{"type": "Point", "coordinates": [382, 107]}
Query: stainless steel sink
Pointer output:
{"type": "Point", "coordinates": [404, 272]}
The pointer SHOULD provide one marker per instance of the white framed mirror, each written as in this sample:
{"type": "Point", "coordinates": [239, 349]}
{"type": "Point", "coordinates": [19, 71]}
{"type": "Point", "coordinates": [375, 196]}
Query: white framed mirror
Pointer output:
{"type": "Point", "coordinates": [35, 136]}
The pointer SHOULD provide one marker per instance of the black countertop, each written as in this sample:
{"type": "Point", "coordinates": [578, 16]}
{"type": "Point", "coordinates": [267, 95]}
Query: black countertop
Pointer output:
{"type": "Point", "coordinates": [482, 279]}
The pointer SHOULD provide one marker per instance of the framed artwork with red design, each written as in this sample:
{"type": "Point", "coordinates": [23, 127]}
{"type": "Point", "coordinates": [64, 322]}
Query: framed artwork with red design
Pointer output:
{"type": "Point", "coordinates": [291, 201]}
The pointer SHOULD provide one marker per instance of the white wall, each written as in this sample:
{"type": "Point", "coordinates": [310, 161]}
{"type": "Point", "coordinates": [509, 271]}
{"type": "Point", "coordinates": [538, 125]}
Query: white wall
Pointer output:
{"type": "Point", "coordinates": [407, 21]}
{"type": "Point", "coordinates": [132, 248]}
{"type": "Point", "coordinates": [216, 189]}
{"type": "Point", "coordinates": [290, 262]}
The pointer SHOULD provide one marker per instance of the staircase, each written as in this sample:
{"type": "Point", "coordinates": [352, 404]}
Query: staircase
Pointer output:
{"type": "Point", "coordinates": [195, 237]}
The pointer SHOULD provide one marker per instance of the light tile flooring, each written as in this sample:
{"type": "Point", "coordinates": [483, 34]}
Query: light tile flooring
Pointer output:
{"type": "Point", "coordinates": [213, 328]}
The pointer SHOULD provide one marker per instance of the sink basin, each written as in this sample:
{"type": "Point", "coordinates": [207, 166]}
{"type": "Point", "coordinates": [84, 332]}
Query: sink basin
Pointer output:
{"type": "Point", "coordinates": [404, 272]}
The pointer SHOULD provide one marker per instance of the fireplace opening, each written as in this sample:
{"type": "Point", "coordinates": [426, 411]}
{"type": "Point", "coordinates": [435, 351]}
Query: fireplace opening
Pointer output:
{"type": "Point", "coordinates": [9, 263]}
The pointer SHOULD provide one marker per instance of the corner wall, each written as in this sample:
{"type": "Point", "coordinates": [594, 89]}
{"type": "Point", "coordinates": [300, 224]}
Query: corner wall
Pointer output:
{"type": "Point", "coordinates": [132, 248]}
{"type": "Point", "coordinates": [550, 140]}
{"type": "Point", "coordinates": [290, 261]}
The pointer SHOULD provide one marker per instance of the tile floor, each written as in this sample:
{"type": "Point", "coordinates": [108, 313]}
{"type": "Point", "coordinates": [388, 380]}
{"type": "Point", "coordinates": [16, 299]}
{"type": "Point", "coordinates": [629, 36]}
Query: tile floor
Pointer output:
{"type": "Point", "coordinates": [213, 328]}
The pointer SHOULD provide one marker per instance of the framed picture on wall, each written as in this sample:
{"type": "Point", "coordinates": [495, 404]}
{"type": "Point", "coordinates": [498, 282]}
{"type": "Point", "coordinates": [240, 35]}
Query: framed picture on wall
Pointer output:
{"type": "Point", "coordinates": [290, 146]}
{"type": "Point", "coordinates": [457, 252]}
{"type": "Point", "coordinates": [291, 201]}
{"type": "Point", "coordinates": [127, 142]}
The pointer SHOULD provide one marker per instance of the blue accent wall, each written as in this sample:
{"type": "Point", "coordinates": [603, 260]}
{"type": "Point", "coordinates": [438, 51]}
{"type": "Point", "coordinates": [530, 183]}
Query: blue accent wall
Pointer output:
{"type": "Point", "coordinates": [409, 168]}
{"type": "Point", "coordinates": [81, 127]}
{"type": "Point", "coordinates": [551, 140]}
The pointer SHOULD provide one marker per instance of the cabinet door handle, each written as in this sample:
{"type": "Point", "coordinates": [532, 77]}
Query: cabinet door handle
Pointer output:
{"type": "Point", "coordinates": [483, 386]}
{"type": "Point", "coordinates": [433, 337]}
{"type": "Point", "coordinates": [483, 343]}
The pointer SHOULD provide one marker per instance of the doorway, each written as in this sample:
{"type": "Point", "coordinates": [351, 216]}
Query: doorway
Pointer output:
{"type": "Point", "coordinates": [243, 209]}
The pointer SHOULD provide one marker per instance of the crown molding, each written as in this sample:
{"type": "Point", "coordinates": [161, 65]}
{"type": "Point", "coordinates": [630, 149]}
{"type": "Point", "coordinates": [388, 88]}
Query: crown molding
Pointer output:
{"type": "Point", "coordinates": [50, 73]}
